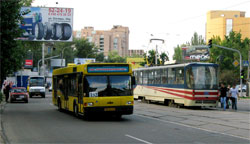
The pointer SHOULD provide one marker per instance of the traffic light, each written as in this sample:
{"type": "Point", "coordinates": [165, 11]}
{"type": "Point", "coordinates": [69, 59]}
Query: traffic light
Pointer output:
{"type": "Point", "coordinates": [210, 43]}
{"type": "Point", "coordinates": [242, 74]}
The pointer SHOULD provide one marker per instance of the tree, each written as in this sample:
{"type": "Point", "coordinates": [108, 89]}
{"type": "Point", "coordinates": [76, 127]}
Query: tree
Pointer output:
{"type": "Point", "coordinates": [114, 57]}
{"type": "Point", "coordinates": [177, 53]}
{"type": "Point", "coordinates": [11, 56]}
{"type": "Point", "coordinates": [85, 49]}
{"type": "Point", "coordinates": [233, 40]}
{"type": "Point", "coordinates": [197, 39]}
{"type": "Point", "coordinates": [164, 58]}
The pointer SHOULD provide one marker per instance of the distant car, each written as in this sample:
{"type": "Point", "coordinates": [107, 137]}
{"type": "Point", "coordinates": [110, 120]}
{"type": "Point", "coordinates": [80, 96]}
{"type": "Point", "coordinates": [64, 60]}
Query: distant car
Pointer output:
{"type": "Point", "coordinates": [50, 88]}
{"type": "Point", "coordinates": [244, 88]}
{"type": "Point", "coordinates": [19, 94]}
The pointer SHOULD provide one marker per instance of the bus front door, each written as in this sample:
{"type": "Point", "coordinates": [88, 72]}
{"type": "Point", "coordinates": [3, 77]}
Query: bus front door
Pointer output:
{"type": "Point", "coordinates": [80, 92]}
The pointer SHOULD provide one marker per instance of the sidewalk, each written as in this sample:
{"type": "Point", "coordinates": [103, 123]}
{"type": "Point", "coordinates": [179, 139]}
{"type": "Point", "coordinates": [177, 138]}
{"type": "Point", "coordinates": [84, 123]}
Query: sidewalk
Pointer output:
{"type": "Point", "coordinates": [1, 111]}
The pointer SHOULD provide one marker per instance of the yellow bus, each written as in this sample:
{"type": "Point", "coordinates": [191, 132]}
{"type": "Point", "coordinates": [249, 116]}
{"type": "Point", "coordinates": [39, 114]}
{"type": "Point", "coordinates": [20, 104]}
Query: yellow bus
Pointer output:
{"type": "Point", "coordinates": [94, 88]}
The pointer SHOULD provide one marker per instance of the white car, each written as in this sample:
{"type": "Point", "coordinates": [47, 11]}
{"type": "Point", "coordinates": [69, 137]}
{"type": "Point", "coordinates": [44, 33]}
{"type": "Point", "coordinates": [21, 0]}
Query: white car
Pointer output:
{"type": "Point", "coordinates": [50, 88]}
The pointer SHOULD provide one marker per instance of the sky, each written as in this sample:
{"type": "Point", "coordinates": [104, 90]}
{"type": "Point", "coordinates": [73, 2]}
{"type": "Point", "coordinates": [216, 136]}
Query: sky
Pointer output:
{"type": "Point", "coordinates": [174, 21]}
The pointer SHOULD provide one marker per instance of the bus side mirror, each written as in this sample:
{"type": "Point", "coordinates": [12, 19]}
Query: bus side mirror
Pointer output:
{"type": "Point", "coordinates": [133, 81]}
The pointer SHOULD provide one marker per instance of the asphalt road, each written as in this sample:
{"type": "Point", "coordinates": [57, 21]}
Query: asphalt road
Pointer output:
{"type": "Point", "coordinates": [40, 122]}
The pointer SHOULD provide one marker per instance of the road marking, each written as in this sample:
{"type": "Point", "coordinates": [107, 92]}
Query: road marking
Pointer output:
{"type": "Point", "coordinates": [193, 127]}
{"type": "Point", "coordinates": [51, 104]}
{"type": "Point", "coordinates": [138, 139]}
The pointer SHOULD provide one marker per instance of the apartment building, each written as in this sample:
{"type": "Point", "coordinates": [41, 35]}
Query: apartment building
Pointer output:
{"type": "Point", "coordinates": [221, 23]}
{"type": "Point", "coordinates": [116, 39]}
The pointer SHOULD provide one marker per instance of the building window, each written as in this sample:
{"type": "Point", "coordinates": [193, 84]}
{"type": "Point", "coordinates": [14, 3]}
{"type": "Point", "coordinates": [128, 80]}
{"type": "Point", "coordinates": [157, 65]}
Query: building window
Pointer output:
{"type": "Point", "coordinates": [229, 26]}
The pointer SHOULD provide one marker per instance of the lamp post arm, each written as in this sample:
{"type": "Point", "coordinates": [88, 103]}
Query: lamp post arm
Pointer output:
{"type": "Point", "coordinates": [45, 59]}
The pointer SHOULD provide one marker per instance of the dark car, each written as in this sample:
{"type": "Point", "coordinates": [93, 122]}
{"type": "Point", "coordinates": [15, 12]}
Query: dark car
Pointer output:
{"type": "Point", "coordinates": [19, 94]}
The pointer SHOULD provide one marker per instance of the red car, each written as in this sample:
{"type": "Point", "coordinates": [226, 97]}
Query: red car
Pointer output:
{"type": "Point", "coordinates": [19, 94]}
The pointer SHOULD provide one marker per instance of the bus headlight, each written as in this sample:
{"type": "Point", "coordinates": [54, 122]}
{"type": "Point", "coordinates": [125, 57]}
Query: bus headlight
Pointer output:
{"type": "Point", "coordinates": [129, 102]}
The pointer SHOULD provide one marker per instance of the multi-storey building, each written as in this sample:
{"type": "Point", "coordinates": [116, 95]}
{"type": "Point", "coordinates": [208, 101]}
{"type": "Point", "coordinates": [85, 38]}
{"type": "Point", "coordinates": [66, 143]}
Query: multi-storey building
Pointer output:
{"type": "Point", "coordinates": [116, 39]}
{"type": "Point", "coordinates": [221, 23]}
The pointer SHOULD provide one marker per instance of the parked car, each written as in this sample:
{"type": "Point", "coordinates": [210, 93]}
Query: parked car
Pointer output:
{"type": "Point", "coordinates": [19, 94]}
{"type": "Point", "coordinates": [244, 88]}
{"type": "Point", "coordinates": [50, 88]}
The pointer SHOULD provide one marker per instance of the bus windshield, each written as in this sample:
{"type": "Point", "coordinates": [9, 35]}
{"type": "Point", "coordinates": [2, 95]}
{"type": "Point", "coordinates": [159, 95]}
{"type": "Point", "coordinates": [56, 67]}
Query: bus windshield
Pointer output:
{"type": "Point", "coordinates": [202, 77]}
{"type": "Point", "coordinates": [36, 81]}
{"type": "Point", "coordinates": [100, 86]}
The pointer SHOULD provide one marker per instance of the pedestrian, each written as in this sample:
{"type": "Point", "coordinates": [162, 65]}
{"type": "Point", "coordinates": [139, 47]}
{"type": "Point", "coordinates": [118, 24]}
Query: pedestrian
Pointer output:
{"type": "Point", "coordinates": [234, 96]}
{"type": "Point", "coordinates": [7, 92]}
{"type": "Point", "coordinates": [223, 96]}
{"type": "Point", "coordinates": [228, 96]}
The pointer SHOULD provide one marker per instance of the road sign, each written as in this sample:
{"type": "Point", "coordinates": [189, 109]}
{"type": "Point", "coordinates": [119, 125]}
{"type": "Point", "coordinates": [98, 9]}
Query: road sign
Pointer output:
{"type": "Point", "coordinates": [236, 63]}
{"type": "Point", "coordinates": [245, 63]}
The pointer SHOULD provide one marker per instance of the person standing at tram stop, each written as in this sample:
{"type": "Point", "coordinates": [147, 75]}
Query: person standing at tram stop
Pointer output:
{"type": "Point", "coordinates": [234, 96]}
{"type": "Point", "coordinates": [223, 96]}
{"type": "Point", "coordinates": [228, 96]}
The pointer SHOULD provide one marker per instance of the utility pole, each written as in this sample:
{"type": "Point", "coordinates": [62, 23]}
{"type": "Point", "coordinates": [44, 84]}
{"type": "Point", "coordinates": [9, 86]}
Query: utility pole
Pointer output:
{"type": "Point", "coordinates": [156, 48]}
{"type": "Point", "coordinates": [43, 47]}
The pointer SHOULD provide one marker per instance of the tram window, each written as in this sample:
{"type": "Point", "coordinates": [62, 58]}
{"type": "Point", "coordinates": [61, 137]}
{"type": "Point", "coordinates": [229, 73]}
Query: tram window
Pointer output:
{"type": "Point", "coordinates": [139, 77]}
{"type": "Point", "coordinates": [157, 76]}
{"type": "Point", "coordinates": [145, 77]}
{"type": "Point", "coordinates": [189, 78]}
{"type": "Point", "coordinates": [164, 74]}
{"type": "Point", "coordinates": [180, 76]}
{"type": "Point", "coordinates": [151, 79]}
{"type": "Point", "coordinates": [171, 76]}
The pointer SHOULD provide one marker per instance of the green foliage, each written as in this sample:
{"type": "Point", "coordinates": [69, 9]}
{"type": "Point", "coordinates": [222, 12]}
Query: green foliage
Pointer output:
{"type": "Point", "coordinates": [11, 52]}
{"type": "Point", "coordinates": [234, 41]}
{"type": "Point", "coordinates": [164, 58]}
{"type": "Point", "coordinates": [113, 57]}
{"type": "Point", "coordinates": [85, 49]}
{"type": "Point", "coordinates": [197, 39]}
{"type": "Point", "coordinates": [177, 53]}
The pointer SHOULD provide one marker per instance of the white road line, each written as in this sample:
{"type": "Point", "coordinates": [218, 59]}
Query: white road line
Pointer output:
{"type": "Point", "coordinates": [138, 139]}
{"type": "Point", "coordinates": [193, 127]}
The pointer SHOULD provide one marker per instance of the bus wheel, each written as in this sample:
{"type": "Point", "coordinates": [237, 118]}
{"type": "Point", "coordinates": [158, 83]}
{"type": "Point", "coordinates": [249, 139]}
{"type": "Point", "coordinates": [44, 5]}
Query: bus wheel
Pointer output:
{"type": "Point", "coordinates": [76, 110]}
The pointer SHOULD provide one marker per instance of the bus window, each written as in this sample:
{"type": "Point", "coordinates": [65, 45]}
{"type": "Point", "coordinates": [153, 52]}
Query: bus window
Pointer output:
{"type": "Point", "coordinates": [171, 76]}
{"type": "Point", "coordinates": [121, 85]}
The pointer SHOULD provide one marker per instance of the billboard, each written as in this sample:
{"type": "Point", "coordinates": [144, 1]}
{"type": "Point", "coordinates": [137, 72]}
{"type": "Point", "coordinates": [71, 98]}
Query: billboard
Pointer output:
{"type": "Point", "coordinates": [28, 63]}
{"type": "Point", "coordinates": [46, 24]}
{"type": "Point", "coordinates": [83, 60]}
{"type": "Point", "coordinates": [197, 52]}
{"type": "Point", "coordinates": [57, 62]}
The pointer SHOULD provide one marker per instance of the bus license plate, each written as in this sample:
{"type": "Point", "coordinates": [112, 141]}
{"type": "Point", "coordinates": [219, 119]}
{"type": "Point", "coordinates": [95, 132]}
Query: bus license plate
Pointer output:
{"type": "Point", "coordinates": [109, 109]}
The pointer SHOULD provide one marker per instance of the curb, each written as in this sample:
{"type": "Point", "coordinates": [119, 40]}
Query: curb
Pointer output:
{"type": "Point", "coordinates": [2, 136]}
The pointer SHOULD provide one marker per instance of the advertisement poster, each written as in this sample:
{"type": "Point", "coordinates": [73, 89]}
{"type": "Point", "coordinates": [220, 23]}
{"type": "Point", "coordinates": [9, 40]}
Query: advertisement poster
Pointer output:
{"type": "Point", "coordinates": [83, 60]}
{"type": "Point", "coordinates": [46, 24]}
{"type": "Point", "coordinates": [198, 52]}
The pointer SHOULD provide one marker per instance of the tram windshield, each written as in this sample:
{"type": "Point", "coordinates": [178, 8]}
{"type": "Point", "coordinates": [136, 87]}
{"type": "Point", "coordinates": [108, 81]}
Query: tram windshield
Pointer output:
{"type": "Point", "coordinates": [202, 77]}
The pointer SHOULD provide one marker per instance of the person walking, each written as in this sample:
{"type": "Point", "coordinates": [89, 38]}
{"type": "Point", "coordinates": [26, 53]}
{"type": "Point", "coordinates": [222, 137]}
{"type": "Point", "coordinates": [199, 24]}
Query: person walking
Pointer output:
{"type": "Point", "coordinates": [7, 92]}
{"type": "Point", "coordinates": [228, 96]}
{"type": "Point", "coordinates": [223, 96]}
{"type": "Point", "coordinates": [234, 96]}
